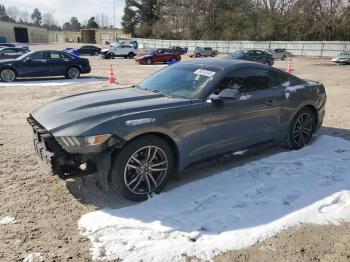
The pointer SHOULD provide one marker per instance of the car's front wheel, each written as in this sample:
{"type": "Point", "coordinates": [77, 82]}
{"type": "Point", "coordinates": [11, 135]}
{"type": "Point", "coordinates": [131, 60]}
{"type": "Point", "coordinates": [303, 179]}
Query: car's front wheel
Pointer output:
{"type": "Point", "coordinates": [301, 129]}
{"type": "Point", "coordinates": [73, 73]}
{"type": "Point", "coordinates": [149, 61]}
{"type": "Point", "coordinates": [142, 168]}
{"type": "Point", "coordinates": [8, 75]}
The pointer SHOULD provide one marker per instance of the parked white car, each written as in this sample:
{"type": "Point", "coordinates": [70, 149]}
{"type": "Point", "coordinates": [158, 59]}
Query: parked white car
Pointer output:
{"type": "Point", "coordinates": [123, 50]}
{"type": "Point", "coordinates": [342, 58]}
{"type": "Point", "coordinates": [279, 53]}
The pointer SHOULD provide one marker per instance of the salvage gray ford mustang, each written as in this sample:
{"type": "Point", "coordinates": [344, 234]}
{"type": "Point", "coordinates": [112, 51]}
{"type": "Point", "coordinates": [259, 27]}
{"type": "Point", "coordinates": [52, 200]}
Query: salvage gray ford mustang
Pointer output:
{"type": "Point", "coordinates": [134, 138]}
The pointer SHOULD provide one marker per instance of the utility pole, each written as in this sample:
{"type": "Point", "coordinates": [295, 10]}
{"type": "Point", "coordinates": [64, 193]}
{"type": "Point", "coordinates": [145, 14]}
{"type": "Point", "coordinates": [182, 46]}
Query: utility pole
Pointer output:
{"type": "Point", "coordinates": [114, 13]}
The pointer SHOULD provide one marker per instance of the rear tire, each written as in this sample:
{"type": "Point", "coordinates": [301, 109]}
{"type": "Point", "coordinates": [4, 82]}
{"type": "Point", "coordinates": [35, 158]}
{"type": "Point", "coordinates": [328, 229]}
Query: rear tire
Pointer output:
{"type": "Point", "coordinates": [8, 75]}
{"type": "Point", "coordinates": [73, 73]}
{"type": "Point", "coordinates": [142, 168]}
{"type": "Point", "coordinates": [198, 55]}
{"type": "Point", "coordinates": [301, 129]}
{"type": "Point", "coordinates": [212, 55]}
{"type": "Point", "coordinates": [283, 58]}
{"type": "Point", "coordinates": [131, 55]}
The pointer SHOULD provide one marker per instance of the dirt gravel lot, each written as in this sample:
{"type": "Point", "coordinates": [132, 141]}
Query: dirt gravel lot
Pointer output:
{"type": "Point", "coordinates": [47, 209]}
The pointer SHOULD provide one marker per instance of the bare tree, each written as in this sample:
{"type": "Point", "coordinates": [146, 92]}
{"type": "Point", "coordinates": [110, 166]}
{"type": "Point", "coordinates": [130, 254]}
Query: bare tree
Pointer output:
{"type": "Point", "coordinates": [102, 20]}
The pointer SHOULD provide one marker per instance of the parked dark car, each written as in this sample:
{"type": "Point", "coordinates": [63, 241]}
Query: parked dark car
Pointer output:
{"type": "Point", "coordinates": [44, 63]}
{"type": "Point", "coordinates": [7, 45]}
{"type": "Point", "coordinates": [178, 49]}
{"type": "Point", "coordinates": [160, 55]}
{"type": "Point", "coordinates": [12, 52]}
{"type": "Point", "coordinates": [253, 55]}
{"type": "Point", "coordinates": [134, 138]}
{"type": "Point", "coordinates": [87, 50]}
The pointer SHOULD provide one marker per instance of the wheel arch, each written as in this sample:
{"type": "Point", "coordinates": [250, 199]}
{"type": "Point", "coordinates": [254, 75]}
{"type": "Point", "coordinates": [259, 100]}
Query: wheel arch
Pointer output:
{"type": "Point", "coordinates": [171, 142]}
{"type": "Point", "coordinates": [9, 67]}
{"type": "Point", "coordinates": [75, 66]}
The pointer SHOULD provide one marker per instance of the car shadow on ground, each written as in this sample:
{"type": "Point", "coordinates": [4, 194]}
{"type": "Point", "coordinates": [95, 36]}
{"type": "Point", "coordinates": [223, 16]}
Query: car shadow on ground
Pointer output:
{"type": "Point", "coordinates": [88, 192]}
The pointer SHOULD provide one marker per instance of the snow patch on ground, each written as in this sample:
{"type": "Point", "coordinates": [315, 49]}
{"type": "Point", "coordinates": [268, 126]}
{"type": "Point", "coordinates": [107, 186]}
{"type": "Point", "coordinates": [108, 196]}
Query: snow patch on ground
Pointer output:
{"type": "Point", "coordinates": [53, 82]}
{"type": "Point", "coordinates": [7, 220]}
{"type": "Point", "coordinates": [230, 210]}
{"type": "Point", "coordinates": [33, 257]}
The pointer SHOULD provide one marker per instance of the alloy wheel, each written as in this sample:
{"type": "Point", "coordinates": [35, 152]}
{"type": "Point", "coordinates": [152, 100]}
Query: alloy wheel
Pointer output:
{"type": "Point", "coordinates": [8, 75]}
{"type": "Point", "coordinates": [145, 170]}
{"type": "Point", "coordinates": [73, 73]}
{"type": "Point", "coordinates": [302, 130]}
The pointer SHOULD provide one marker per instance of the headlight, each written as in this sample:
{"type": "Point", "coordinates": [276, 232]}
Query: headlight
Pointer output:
{"type": "Point", "coordinates": [76, 141]}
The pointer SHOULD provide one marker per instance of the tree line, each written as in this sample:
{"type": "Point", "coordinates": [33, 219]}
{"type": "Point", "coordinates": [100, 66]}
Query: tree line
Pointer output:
{"type": "Point", "coordinates": [47, 20]}
{"type": "Point", "coordinates": [238, 19]}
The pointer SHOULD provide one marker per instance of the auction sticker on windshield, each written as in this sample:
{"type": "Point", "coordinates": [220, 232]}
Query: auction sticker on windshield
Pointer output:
{"type": "Point", "coordinates": [204, 72]}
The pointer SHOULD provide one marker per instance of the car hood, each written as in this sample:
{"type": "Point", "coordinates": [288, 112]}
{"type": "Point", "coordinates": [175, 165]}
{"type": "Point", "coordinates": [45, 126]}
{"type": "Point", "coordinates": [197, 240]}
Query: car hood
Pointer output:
{"type": "Point", "coordinates": [101, 111]}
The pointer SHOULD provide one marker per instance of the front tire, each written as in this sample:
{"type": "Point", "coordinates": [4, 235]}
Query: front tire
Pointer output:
{"type": "Point", "coordinates": [301, 129]}
{"type": "Point", "coordinates": [73, 73]}
{"type": "Point", "coordinates": [8, 75]}
{"type": "Point", "coordinates": [142, 168]}
{"type": "Point", "coordinates": [149, 61]}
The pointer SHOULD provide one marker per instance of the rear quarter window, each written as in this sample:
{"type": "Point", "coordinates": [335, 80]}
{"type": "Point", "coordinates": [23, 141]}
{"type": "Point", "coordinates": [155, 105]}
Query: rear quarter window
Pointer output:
{"type": "Point", "coordinates": [278, 79]}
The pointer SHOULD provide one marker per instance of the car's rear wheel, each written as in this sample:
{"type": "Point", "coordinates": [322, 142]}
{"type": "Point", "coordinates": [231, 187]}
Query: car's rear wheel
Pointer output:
{"type": "Point", "coordinates": [149, 61]}
{"type": "Point", "coordinates": [142, 168]}
{"type": "Point", "coordinates": [131, 55]}
{"type": "Point", "coordinates": [198, 55]}
{"type": "Point", "coordinates": [8, 75]}
{"type": "Point", "coordinates": [267, 63]}
{"type": "Point", "coordinates": [301, 129]}
{"type": "Point", "coordinates": [283, 57]}
{"type": "Point", "coordinates": [73, 73]}
{"type": "Point", "coordinates": [213, 55]}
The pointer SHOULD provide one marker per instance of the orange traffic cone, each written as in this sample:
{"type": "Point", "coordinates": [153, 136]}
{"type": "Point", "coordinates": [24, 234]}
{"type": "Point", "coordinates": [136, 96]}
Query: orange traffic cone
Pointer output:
{"type": "Point", "coordinates": [289, 68]}
{"type": "Point", "coordinates": [112, 79]}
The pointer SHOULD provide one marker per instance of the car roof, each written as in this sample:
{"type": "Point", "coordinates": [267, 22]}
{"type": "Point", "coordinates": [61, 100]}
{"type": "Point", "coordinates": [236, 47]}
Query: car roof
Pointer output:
{"type": "Point", "coordinates": [228, 63]}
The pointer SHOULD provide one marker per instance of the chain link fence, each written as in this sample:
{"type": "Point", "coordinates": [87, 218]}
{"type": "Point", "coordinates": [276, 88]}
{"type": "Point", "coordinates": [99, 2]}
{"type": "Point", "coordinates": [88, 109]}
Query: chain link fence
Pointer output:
{"type": "Point", "coordinates": [299, 48]}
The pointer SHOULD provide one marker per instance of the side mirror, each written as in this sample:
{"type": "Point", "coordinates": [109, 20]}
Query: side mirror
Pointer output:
{"type": "Point", "coordinates": [229, 93]}
{"type": "Point", "coordinates": [226, 94]}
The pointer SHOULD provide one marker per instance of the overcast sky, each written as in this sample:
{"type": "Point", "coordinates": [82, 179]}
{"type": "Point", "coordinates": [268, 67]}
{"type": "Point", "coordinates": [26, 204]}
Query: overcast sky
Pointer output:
{"type": "Point", "coordinates": [63, 10]}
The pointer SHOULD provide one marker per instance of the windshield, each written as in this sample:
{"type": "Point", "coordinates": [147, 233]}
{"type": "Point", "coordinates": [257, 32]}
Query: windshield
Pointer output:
{"type": "Point", "coordinates": [239, 53]}
{"type": "Point", "coordinates": [185, 81]}
{"type": "Point", "coordinates": [23, 56]}
{"type": "Point", "coordinates": [345, 53]}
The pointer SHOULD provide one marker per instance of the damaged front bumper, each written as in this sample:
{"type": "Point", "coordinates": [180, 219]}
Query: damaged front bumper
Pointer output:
{"type": "Point", "coordinates": [66, 165]}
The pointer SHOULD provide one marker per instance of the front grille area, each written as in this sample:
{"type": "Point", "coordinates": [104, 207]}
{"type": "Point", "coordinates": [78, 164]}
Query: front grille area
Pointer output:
{"type": "Point", "coordinates": [63, 164]}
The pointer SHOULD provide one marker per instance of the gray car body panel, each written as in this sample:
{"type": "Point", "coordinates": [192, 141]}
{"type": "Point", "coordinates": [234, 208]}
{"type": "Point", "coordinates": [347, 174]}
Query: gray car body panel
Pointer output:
{"type": "Point", "coordinates": [198, 128]}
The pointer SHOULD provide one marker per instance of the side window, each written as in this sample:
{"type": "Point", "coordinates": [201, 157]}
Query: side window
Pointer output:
{"type": "Point", "coordinates": [245, 80]}
{"type": "Point", "coordinates": [66, 56]}
{"type": "Point", "coordinates": [54, 55]}
{"type": "Point", "coordinates": [278, 79]}
{"type": "Point", "coordinates": [11, 52]}
{"type": "Point", "coordinates": [254, 79]}
{"type": "Point", "coordinates": [38, 56]}
{"type": "Point", "coordinates": [251, 53]}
